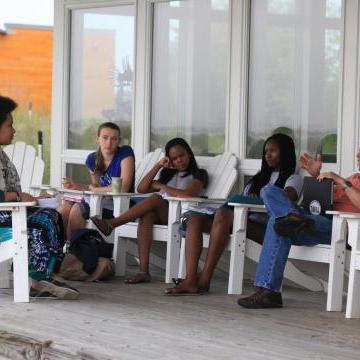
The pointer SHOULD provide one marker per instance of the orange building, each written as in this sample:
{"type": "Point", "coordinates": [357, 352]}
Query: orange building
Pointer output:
{"type": "Point", "coordinates": [26, 66]}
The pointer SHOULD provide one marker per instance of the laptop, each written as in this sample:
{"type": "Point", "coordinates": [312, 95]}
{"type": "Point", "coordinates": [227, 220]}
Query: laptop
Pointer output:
{"type": "Point", "coordinates": [317, 195]}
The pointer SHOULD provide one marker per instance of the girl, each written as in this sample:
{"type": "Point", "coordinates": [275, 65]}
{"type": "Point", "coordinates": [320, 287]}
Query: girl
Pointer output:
{"type": "Point", "coordinates": [278, 168]}
{"type": "Point", "coordinates": [110, 160]}
{"type": "Point", "coordinates": [179, 176]}
{"type": "Point", "coordinates": [44, 226]}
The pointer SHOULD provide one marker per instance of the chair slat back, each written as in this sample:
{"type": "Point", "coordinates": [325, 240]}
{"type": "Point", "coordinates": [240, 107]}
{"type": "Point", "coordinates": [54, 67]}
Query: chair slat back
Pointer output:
{"type": "Point", "coordinates": [29, 167]}
{"type": "Point", "coordinates": [222, 175]}
{"type": "Point", "coordinates": [145, 165]}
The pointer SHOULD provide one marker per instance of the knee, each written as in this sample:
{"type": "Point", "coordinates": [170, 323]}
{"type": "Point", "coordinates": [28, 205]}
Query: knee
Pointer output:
{"type": "Point", "coordinates": [147, 219]}
{"type": "Point", "coordinates": [268, 191]}
{"type": "Point", "coordinates": [75, 212]}
{"type": "Point", "coordinates": [223, 217]}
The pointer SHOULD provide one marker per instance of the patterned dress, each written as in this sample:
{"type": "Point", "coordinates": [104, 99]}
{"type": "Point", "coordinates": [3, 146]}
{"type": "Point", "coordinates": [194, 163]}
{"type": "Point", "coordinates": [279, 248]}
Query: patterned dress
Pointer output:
{"type": "Point", "coordinates": [45, 232]}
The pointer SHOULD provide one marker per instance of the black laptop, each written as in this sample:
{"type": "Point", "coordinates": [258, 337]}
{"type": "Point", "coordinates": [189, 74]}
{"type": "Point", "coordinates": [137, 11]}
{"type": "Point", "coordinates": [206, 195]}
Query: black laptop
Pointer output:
{"type": "Point", "coordinates": [317, 195]}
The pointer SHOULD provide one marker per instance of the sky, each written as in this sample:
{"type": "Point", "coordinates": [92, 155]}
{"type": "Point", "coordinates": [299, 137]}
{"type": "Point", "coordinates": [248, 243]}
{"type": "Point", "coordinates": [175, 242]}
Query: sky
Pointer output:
{"type": "Point", "coordinates": [30, 12]}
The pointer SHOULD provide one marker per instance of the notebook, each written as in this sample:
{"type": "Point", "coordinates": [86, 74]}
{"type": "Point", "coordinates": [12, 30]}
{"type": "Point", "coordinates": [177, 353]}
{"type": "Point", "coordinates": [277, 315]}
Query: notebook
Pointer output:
{"type": "Point", "coordinates": [317, 195]}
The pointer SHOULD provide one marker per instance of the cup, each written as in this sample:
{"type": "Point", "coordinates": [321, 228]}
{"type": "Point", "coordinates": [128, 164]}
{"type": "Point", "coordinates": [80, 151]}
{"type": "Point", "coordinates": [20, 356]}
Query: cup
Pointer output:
{"type": "Point", "coordinates": [116, 184]}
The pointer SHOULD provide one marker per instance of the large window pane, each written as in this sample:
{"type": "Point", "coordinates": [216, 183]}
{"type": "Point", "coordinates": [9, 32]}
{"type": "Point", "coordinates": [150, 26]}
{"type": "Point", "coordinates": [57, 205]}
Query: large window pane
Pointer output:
{"type": "Point", "coordinates": [295, 52]}
{"type": "Point", "coordinates": [190, 72]}
{"type": "Point", "coordinates": [101, 74]}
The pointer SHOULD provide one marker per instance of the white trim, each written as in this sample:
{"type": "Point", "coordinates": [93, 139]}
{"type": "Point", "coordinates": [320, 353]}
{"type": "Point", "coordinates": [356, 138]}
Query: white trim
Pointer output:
{"type": "Point", "coordinates": [348, 133]}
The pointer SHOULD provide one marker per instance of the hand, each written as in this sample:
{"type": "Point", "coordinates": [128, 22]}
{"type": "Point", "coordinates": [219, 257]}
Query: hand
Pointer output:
{"type": "Point", "coordinates": [93, 187]}
{"type": "Point", "coordinates": [165, 162]}
{"type": "Point", "coordinates": [25, 197]}
{"type": "Point", "coordinates": [68, 183]}
{"type": "Point", "coordinates": [311, 165]}
{"type": "Point", "coordinates": [331, 175]}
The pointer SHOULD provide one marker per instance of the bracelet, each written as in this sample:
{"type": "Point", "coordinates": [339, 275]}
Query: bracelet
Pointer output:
{"type": "Point", "coordinates": [18, 198]}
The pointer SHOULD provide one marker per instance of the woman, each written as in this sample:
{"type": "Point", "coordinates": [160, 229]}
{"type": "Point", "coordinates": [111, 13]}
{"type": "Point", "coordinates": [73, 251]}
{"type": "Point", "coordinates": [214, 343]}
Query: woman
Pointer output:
{"type": "Point", "coordinates": [179, 176]}
{"type": "Point", "coordinates": [278, 168]}
{"type": "Point", "coordinates": [110, 160]}
{"type": "Point", "coordinates": [44, 226]}
{"type": "Point", "coordinates": [289, 224]}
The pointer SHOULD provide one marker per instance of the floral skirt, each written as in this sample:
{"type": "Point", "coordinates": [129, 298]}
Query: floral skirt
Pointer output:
{"type": "Point", "coordinates": [45, 240]}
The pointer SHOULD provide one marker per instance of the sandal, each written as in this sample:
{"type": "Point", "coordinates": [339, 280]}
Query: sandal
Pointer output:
{"type": "Point", "coordinates": [140, 277]}
{"type": "Point", "coordinates": [103, 225]}
{"type": "Point", "coordinates": [182, 289]}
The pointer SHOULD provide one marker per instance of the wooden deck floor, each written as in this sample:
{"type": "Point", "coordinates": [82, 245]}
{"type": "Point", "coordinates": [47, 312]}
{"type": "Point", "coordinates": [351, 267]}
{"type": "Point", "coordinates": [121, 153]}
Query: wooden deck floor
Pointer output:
{"type": "Point", "coordinates": [117, 321]}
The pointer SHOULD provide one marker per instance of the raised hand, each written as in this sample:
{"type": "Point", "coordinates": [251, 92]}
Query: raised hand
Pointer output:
{"type": "Point", "coordinates": [68, 183]}
{"type": "Point", "coordinates": [311, 165]}
{"type": "Point", "coordinates": [166, 162]}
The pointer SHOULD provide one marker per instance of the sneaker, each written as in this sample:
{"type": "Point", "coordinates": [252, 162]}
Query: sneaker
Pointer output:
{"type": "Point", "coordinates": [59, 289]}
{"type": "Point", "coordinates": [261, 299]}
{"type": "Point", "coordinates": [37, 294]}
{"type": "Point", "coordinates": [293, 224]}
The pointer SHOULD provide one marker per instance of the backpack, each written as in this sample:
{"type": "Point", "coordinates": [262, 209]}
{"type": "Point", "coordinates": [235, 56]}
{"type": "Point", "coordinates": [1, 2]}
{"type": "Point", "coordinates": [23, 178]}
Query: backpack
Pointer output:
{"type": "Point", "coordinates": [88, 257]}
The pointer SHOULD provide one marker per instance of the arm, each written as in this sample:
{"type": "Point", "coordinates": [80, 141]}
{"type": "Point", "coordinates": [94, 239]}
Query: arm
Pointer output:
{"type": "Point", "coordinates": [72, 185]}
{"type": "Point", "coordinates": [147, 183]}
{"type": "Point", "coordinates": [193, 189]}
{"type": "Point", "coordinates": [291, 193]}
{"type": "Point", "coordinates": [24, 197]}
{"type": "Point", "coordinates": [127, 173]}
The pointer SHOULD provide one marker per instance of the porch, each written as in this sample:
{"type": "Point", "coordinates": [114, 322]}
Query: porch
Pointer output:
{"type": "Point", "coordinates": [117, 321]}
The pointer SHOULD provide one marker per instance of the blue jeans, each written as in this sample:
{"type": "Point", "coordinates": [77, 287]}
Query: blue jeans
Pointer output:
{"type": "Point", "coordinates": [275, 249]}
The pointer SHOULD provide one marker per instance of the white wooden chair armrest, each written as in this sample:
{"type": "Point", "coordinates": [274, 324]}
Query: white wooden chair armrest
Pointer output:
{"type": "Point", "coordinates": [70, 191]}
{"type": "Point", "coordinates": [121, 201]}
{"type": "Point", "coordinates": [249, 207]}
{"type": "Point", "coordinates": [195, 200]}
{"type": "Point", "coordinates": [17, 248]}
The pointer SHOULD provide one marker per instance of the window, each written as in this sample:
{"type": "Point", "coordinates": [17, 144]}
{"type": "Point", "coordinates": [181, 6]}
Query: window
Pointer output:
{"type": "Point", "coordinates": [101, 73]}
{"type": "Point", "coordinates": [295, 65]}
{"type": "Point", "coordinates": [190, 73]}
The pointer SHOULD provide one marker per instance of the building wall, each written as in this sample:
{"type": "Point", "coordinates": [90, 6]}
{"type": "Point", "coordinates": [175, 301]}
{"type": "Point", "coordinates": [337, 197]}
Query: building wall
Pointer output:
{"type": "Point", "coordinates": [26, 67]}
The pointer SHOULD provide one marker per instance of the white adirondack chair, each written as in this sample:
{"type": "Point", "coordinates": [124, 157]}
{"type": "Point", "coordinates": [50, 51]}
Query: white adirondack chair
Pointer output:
{"type": "Point", "coordinates": [222, 176]}
{"type": "Point", "coordinates": [333, 254]}
{"type": "Point", "coordinates": [29, 166]}
{"type": "Point", "coordinates": [31, 170]}
{"type": "Point", "coordinates": [353, 295]}
{"type": "Point", "coordinates": [17, 250]}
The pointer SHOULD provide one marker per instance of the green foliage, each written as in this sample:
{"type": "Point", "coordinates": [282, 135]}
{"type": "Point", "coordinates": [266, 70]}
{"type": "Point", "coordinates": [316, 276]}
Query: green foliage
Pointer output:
{"type": "Point", "coordinates": [27, 126]}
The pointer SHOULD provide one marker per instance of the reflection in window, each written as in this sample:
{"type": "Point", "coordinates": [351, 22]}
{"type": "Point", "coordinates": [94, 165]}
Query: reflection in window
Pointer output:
{"type": "Point", "coordinates": [281, 6]}
{"type": "Point", "coordinates": [190, 70]}
{"type": "Point", "coordinates": [294, 76]}
{"type": "Point", "coordinates": [333, 8]}
{"type": "Point", "coordinates": [101, 73]}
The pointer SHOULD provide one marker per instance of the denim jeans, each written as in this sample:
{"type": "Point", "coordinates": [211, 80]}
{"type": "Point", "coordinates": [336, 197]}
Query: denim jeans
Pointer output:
{"type": "Point", "coordinates": [275, 249]}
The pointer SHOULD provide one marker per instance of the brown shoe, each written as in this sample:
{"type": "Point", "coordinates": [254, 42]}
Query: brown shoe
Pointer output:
{"type": "Point", "coordinates": [261, 299]}
{"type": "Point", "coordinates": [103, 225]}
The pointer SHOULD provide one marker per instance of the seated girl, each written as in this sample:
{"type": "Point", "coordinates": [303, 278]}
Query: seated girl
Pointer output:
{"type": "Point", "coordinates": [289, 224]}
{"type": "Point", "coordinates": [179, 175]}
{"type": "Point", "coordinates": [110, 160]}
{"type": "Point", "coordinates": [44, 225]}
{"type": "Point", "coordinates": [278, 168]}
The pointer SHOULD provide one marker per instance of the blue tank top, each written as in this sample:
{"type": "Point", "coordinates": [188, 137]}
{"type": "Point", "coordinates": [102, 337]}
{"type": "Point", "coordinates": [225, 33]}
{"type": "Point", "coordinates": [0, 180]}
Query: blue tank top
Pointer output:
{"type": "Point", "coordinates": [114, 168]}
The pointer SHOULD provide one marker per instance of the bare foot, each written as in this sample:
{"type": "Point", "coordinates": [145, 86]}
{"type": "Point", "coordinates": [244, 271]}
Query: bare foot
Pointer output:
{"type": "Point", "coordinates": [184, 287]}
{"type": "Point", "coordinates": [103, 225]}
{"type": "Point", "coordinates": [140, 277]}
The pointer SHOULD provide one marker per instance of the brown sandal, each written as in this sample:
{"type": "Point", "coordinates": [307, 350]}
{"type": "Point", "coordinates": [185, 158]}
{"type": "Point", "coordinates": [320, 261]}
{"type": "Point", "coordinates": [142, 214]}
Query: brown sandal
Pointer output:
{"type": "Point", "coordinates": [103, 225]}
{"type": "Point", "coordinates": [140, 277]}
